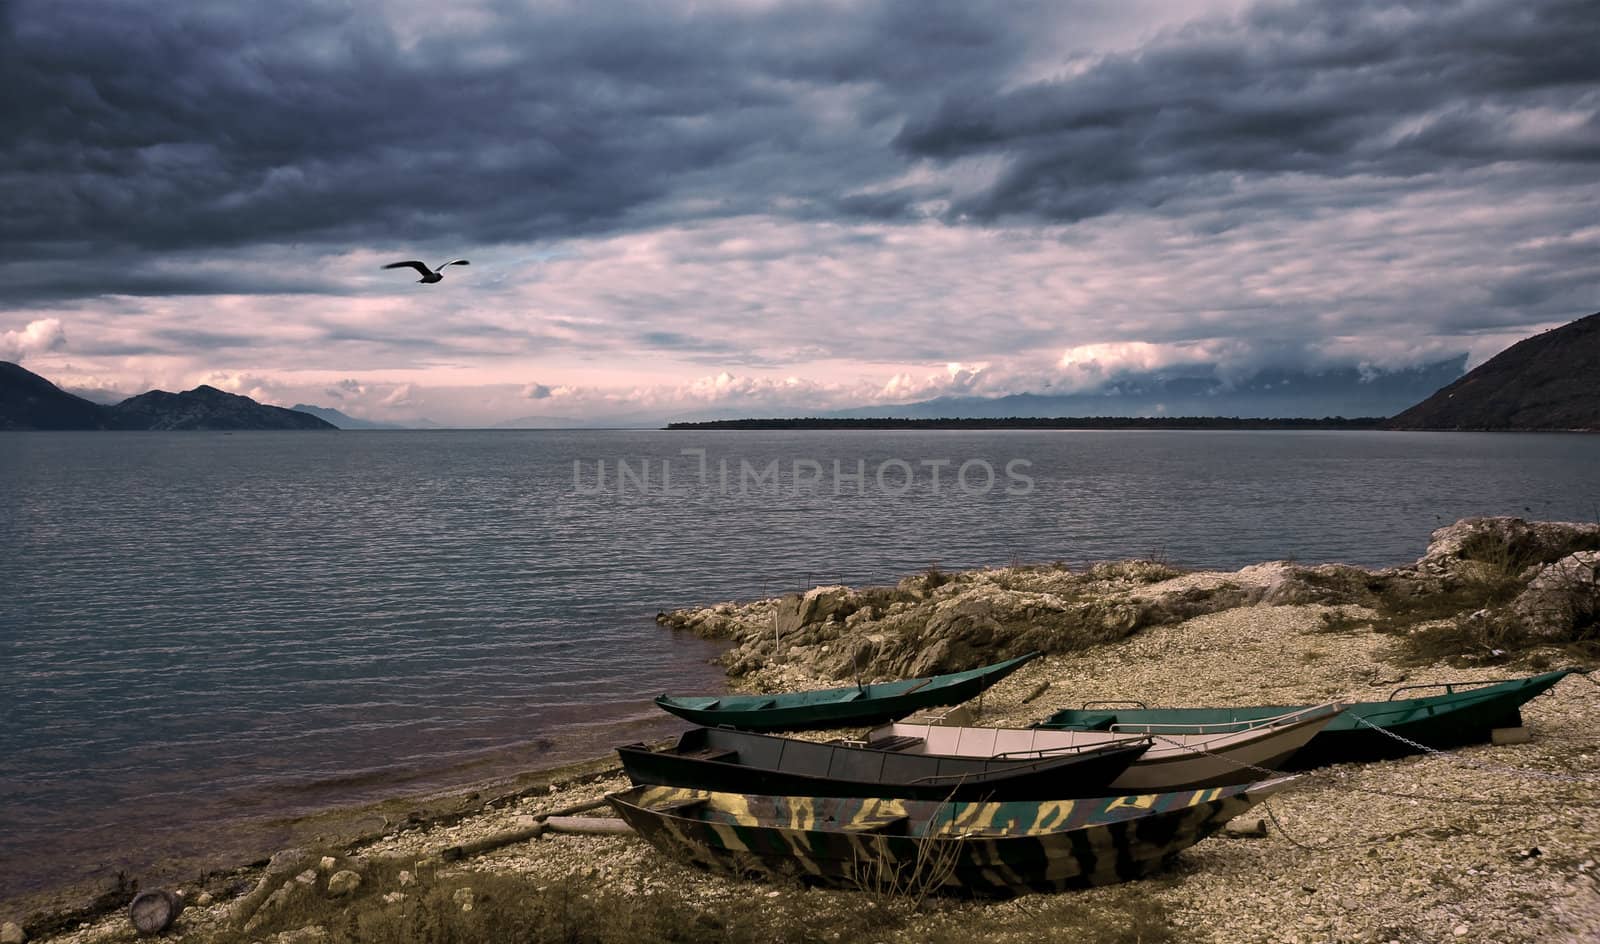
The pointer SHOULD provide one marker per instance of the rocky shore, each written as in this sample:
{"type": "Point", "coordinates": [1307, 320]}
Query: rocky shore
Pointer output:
{"type": "Point", "coordinates": [1490, 843]}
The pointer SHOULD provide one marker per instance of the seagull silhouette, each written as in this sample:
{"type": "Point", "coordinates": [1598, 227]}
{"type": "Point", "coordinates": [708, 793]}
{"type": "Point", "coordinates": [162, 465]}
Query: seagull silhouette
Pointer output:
{"type": "Point", "coordinates": [428, 275]}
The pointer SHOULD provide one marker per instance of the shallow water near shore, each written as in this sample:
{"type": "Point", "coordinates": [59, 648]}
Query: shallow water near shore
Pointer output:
{"type": "Point", "coordinates": [206, 632]}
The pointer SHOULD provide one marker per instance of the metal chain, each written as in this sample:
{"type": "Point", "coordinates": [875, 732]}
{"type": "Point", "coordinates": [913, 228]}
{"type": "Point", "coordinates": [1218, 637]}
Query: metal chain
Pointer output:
{"type": "Point", "coordinates": [1268, 772]}
{"type": "Point", "coordinates": [1481, 765]}
{"type": "Point", "coordinates": [1325, 773]}
{"type": "Point", "coordinates": [1397, 794]}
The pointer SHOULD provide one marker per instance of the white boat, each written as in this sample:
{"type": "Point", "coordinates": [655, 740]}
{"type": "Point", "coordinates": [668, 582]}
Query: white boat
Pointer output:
{"type": "Point", "coordinates": [1176, 761]}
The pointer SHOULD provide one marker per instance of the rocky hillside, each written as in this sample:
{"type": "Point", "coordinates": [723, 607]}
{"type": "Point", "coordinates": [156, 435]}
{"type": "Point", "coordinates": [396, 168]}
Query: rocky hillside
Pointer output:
{"type": "Point", "coordinates": [1548, 381]}
{"type": "Point", "coordinates": [28, 401]}
{"type": "Point", "coordinates": [1489, 582]}
{"type": "Point", "coordinates": [206, 408]}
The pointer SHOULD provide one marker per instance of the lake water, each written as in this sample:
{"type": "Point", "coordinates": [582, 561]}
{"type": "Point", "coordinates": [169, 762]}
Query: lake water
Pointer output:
{"type": "Point", "coordinates": [223, 629]}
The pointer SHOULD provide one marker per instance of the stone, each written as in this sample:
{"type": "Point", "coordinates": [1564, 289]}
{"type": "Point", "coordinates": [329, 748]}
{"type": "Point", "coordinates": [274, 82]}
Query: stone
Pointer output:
{"type": "Point", "coordinates": [1519, 542]}
{"type": "Point", "coordinates": [327, 863]}
{"type": "Point", "coordinates": [463, 897]}
{"type": "Point", "coordinates": [285, 861]}
{"type": "Point", "coordinates": [12, 933]}
{"type": "Point", "coordinates": [1460, 930]}
{"type": "Point", "coordinates": [1563, 596]}
{"type": "Point", "coordinates": [274, 902]}
{"type": "Point", "coordinates": [406, 878]}
{"type": "Point", "coordinates": [343, 882]}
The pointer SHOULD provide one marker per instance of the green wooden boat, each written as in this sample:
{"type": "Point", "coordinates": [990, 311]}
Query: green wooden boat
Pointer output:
{"type": "Point", "coordinates": [1464, 713]}
{"type": "Point", "coordinates": [988, 849]}
{"type": "Point", "coordinates": [840, 707]}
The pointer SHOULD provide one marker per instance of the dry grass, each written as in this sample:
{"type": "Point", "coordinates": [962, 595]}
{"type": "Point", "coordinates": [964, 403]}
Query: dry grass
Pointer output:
{"type": "Point", "coordinates": [465, 906]}
{"type": "Point", "coordinates": [1470, 621]}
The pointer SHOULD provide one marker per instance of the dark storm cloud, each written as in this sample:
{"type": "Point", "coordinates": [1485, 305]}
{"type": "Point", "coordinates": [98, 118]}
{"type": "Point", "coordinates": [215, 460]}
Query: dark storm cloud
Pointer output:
{"type": "Point", "coordinates": [1330, 88]}
{"type": "Point", "coordinates": [194, 126]}
{"type": "Point", "coordinates": [167, 148]}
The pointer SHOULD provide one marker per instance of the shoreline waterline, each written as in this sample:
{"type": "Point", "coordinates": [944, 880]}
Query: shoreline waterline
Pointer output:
{"type": "Point", "coordinates": [334, 827]}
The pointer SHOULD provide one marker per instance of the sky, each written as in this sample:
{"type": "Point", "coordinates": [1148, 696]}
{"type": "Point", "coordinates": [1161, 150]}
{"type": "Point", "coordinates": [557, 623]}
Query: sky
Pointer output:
{"type": "Point", "coordinates": [764, 207]}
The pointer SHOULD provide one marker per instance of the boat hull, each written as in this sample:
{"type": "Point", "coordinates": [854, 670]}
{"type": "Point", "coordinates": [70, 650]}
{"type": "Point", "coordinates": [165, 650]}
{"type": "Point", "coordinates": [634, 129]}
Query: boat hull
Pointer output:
{"type": "Point", "coordinates": [743, 762]}
{"type": "Point", "coordinates": [1453, 719]}
{"type": "Point", "coordinates": [1176, 761]}
{"type": "Point", "coordinates": [979, 849]}
{"type": "Point", "coordinates": [840, 707]}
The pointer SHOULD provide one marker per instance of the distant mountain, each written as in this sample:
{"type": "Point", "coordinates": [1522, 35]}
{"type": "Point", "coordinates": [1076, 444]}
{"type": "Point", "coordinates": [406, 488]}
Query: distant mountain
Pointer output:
{"type": "Point", "coordinates": [342, 420]}
{"type": "Point", "coordinates": [1548, 381]}
{"type": "Point", "coordinates": [98, 395]}
{"type": "Point", "coordinates": [205, 407]}
{"type": "Point", "coordinates": [28, 401]}
{"type": "Point", "coordinates": [1203, 391]}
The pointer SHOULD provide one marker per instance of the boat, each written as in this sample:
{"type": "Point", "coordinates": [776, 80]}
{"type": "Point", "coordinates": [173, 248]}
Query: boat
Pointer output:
{"type": "Point", "coordinates": [861, 704]}
{"type": "Point", "coordinates": [1465, 713]}
{"type": "Point", "coordinates": [1176, 761]}
{"type": "Point", "coordinates": [733, 761]}
{"type": "Point", "coordinates": [990, 849]}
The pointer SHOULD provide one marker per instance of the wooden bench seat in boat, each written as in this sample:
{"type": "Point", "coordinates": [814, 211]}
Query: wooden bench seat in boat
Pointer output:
{"type": "Point", "coordinates": [713, 753]}
{"type": "Point", "coordinates": [893, 743]}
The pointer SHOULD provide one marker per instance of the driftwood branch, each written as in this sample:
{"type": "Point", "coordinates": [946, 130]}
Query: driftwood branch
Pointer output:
{"type": "Point", "coordinates": [555, 821]}
{"type": "Point", "coordinates": [588, 825]}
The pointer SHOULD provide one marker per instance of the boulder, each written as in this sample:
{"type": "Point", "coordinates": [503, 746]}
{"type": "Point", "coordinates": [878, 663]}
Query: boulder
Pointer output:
{"type": "Point", "coordinates": [282, 863]}
{"type": "Point", "coordinates": [817, 605]}
{"type": "Point", "coordinates": [12, 933]}
{"type": "Point", "coordinates": [1563, 600]}
{"type": "Point", "coordinates": [1505, 542]}
{"type": "Point", "coordinates": [1285, 584]}
{"type": "Point", "coordinates": [287, 892]}
{"type": "Point", "coordinates": [342, 883]}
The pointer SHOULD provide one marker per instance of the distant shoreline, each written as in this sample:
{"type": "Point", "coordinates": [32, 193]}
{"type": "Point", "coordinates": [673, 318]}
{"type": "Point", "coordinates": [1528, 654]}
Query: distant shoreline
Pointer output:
{"type": "Point", "coordinates": [1040, 422]}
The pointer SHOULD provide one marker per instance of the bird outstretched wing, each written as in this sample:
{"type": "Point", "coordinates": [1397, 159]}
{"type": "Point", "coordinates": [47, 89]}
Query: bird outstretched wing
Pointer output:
{"type": "Point", "coordinates": [456, 262]}
{"type": "Point", "coordinates": [413, 264]}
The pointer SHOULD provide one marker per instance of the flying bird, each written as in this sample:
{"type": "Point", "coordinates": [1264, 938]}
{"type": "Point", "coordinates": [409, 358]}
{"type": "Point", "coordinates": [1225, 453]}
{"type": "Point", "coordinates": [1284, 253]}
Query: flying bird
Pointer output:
{"type": "Point", "coordinates": [428, 275]}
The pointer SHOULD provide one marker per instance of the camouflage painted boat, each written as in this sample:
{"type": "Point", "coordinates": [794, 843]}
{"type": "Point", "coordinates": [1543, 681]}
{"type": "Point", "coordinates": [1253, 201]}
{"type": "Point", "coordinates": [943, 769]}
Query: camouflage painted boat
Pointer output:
{"type": "Point", "coordinates": [986, 849]}
{"type": "Point", "coordinates": [840, 707]}
{"type": "Point", "coordinates": [1465, 713]}
{"type": "Point", "coordinates": [744, 762]}
{"type": "Point", "coordinates": [1174, 762]}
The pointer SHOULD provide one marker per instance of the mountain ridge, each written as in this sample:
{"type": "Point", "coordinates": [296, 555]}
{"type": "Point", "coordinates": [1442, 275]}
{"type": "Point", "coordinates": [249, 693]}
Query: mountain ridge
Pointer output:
{"type": "Point", "coordinates": [30, 402]}
{"type": "Point", "coordinates": [1550, 381]}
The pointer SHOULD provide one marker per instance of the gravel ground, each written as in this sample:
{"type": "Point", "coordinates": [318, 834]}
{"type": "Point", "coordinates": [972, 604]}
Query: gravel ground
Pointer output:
{"type": "Point", "coordinates": [1487, 844]}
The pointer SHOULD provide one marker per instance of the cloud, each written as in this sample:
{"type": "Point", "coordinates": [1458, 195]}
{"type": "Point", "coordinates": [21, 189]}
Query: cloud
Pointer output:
{"type": "Point", "coordinates": [399, 396]}
{"type": "Point", "coordinates": [38, 337]}
{"type": "Point", "coordinates": [1324, 88]}
{"type": "Point", "coordinates": [817, 205]}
